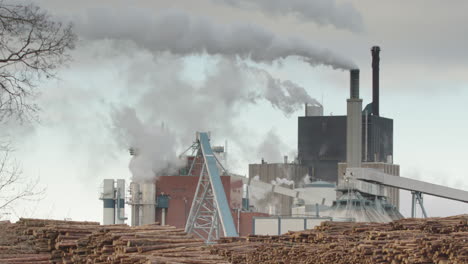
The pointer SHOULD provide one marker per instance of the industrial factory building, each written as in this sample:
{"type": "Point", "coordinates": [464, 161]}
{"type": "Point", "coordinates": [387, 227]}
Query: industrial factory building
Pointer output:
{"type": "Point", "coordinates": [322, 143]}
{"type": "Point", "coordinates": [344, 172]}
{"type": "Point", "coordinates": [315, 186]}
{"type": "Point", "coordinates": [325, 144]}
{"type": "Point", "coordinates": [172, 197]}
{"type": "Point", "coordinates": [322, 139]}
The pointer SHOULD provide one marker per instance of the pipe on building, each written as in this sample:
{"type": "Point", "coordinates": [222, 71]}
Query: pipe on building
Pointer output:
{"type": "Point", "coordinates": [120, 202]}
{"type": "Point", "coordinates": [366, 135]}
{"type": "Point", "coordinates": [375, 51]}
{"type": "Point", "coordinates": [163, 216]}
{"type": "Point", "coordinates": [148, 197]}
{"type": "Point", "coordinates": [238, 221]}
{"type": "Point", "coordinates": [135, 202]}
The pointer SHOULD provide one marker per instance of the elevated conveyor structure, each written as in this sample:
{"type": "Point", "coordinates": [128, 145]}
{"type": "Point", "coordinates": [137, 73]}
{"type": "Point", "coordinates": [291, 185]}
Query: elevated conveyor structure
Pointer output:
{"type": "Point", "coordinates": [416, 187]}
{"type": "Point", "coordinates": [376, 176]}
{"type": "Point", "coordinates": [364, 187]}
{"type": "Point", "coordinates": [210, 209]}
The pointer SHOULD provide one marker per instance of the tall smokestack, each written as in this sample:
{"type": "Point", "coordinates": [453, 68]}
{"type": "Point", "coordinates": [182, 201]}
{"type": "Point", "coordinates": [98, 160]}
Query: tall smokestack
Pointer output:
{"type": "Point", "coordinates": [375, 79]}
{"type": "Point", "coordinates": [354, 123]}
{"type": "Point", "coordinates": [354, 83]}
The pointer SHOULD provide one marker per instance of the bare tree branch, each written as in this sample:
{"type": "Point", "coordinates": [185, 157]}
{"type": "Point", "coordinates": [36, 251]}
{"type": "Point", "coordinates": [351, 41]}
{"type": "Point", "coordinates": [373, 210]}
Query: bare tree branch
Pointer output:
{"type": "Point", "coordinates": [13, 186]}
{"type": "Point", "coordinates": [32, 46]}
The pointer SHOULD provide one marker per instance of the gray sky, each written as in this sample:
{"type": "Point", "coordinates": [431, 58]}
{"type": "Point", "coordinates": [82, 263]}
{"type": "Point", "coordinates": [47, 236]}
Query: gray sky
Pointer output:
{"type": "Point", "coordinates": [424, 88]}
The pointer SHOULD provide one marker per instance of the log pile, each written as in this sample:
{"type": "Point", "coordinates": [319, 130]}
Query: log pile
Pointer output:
{"type": "Point", "coordinates": [39, 241]}
{"type": "Point", "coordinates": [436, 240]}
{"type": "Point", "coordinates": [48, 241]}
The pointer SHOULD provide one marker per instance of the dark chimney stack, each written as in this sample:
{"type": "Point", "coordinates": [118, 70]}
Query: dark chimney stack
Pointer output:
{"type": "Point", "coordinates": [375, 79]}
{"type": "Point", "coordinates": [354, 83]}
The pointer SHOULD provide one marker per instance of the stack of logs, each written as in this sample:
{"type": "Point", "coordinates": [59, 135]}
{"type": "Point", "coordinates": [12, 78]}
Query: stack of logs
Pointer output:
{"type": "Point", "coordinates": [36, 241]}
{"type": "Point", "coordinates": [435, 240]}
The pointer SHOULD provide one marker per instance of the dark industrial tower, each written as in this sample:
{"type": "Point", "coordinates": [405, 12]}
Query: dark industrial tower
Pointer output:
{"type": "Point", "coordinates": [322, 139]}
{"type": "Point", "coordinates": [375, 51]}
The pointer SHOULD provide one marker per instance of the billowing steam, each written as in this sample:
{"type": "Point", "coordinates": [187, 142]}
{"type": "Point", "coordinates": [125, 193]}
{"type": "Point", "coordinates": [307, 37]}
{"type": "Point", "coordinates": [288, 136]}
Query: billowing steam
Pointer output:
{"type": "Point", "coordinates": [271, 147]}
{"type": "Point", "coordinates": [184, 34]}
{"type": "Point", "coordinates": [307, 179]}
{"type": "Point", "coordinates": [282, 181]}
{"type": "Point", "coordinates": [212, 105]}
{"type": "Point", "coordinates": [323, 12]}
{"type": "Point", "coordinates": [152, 146]}
{"type": "Point", "coordinates": [287, 96]}
{"type": "Point", "coordinates": [284, 95]}
{"type": "Point", "coordinates": [265, 200]}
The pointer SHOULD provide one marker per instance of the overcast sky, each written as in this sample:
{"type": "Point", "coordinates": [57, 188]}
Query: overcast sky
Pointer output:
{"type": "Point", "coordinates": [424, 88]}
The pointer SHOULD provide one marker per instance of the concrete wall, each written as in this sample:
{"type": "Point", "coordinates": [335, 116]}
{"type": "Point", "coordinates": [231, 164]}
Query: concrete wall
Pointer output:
{"type": "Point", "coordinates": [329, 194]}
{"type": "Point", "coordinates": [244, 221]}
{"type": "Point", "coordinates": [282, 225]}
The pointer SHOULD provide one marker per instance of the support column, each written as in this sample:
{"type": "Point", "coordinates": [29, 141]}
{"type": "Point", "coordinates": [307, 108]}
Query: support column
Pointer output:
{"type": "Point", "coordinates": [163, 217]}
{"type": "Point", "coordinates": [421, 204]}
{"type": "Point", "coordinates": [120, 202]}
{"type": "Point", "coordinates": [108, 198]}
{"type": "Point", "coordinates": [135, 202]}
{"type": "Point", "coordinates": [413, 204]}
{"type": "Point", "coordinates": [148, 197]}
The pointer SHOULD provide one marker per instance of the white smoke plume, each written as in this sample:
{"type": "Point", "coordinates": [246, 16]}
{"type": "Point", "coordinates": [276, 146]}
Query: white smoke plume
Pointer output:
{"type": "Point", "coordinates": [163, 95]}
{"type": "Point", "coordinates": [271, 148]}
{"type": "Point", "coordinates": [287, 96]}
{"type": "Point", "coordinates": [266, 201]}
{"type": "Point", "coordinates": [307, 179]}
{"type": "Point", "coordinates": [284, 95]}
{"type": "Point", "coordinates": [340, 14]}
{"type": "Point", "coordinates": [281, 181]}
{"type": "Point", "coordinates": [260, 198]}
{"type": "Point", "coordinates": [256, 193]}
{"type": "Point", "coordinates": [184, 34]}
{"type": "Point", "coordinates": [167, 96]}
{"type": "Point", "coordinates": [153, 145]}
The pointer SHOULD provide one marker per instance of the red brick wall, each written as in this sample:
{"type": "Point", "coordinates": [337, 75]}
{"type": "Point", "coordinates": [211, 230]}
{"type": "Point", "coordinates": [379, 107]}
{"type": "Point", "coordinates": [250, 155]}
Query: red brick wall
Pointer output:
{"type": "Point", "coordinates": [181, 190]}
